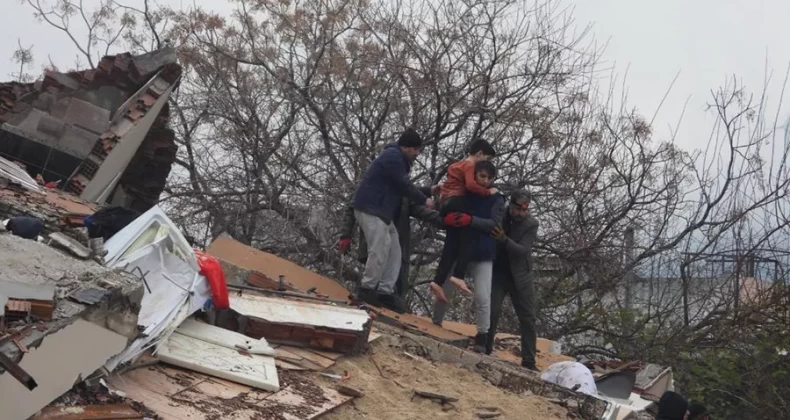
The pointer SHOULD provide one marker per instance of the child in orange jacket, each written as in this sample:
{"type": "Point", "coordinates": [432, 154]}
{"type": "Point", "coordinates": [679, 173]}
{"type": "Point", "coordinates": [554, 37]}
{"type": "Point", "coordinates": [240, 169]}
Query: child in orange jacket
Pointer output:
{"type": "Point", "coordinates": [454, 210]}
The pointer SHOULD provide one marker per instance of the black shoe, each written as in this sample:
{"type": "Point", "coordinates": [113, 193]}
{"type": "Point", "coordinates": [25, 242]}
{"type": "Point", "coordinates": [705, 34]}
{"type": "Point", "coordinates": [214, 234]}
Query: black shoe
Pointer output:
{"type": "Point", "coordinates": [489, 343]}
{"type": "Point", "coordinates": [369, 296]}
{"type": "Point", "coordinates": [530, 366]}
{"type": "Point", "coordinates": [480, 343]}
{"type": "Point", "coordinates": [392, 302]}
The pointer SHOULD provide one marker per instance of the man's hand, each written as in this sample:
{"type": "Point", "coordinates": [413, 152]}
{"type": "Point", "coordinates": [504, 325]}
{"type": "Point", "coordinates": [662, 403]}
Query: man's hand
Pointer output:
{"type": "Point", "coordinates": [493, 191]}
{"type": "Point", "coordinates": [344, 245]}
{"type": "Point", "coordinates": [436, 189]}
{"type": "Point", "coordinates": [457, 220]}
{"type": "Point", "coordinates": [498, 234]}
{"type": "Point", "coordinates": [429, 203]}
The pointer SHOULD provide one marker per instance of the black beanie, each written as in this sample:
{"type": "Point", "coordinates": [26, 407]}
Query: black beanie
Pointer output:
{"type": "Point", "coordinates": [410, 138]}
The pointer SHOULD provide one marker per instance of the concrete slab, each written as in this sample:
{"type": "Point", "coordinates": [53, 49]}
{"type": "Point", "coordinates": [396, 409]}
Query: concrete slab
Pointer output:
{"type": "Point", "coordinates": [60, 361]}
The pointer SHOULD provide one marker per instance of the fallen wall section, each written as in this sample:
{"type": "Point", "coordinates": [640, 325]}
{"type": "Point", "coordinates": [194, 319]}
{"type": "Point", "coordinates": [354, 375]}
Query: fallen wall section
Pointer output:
{"type": "Point", "coordinates": [61, 359]}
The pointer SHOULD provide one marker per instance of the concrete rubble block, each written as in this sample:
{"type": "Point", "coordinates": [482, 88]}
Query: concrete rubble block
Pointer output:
{"type": "Point", "coordinates": [87, 116]}
{"type": "Point", "coordinates": [51, 126]}
{"type": "Point", "coordinates": [76, 141]}
{"type": "Point", "coordinates": [40, 267]}
{"type": "Point", "coordinates": [82, 335]}
{"type": "Point", "coordinates": [56, 362]}
{"type": "Point", "coordinates": [150, 62]}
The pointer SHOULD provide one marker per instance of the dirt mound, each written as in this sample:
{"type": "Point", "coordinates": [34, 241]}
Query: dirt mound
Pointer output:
{"type": "Point", "coordinates": [387, 376]}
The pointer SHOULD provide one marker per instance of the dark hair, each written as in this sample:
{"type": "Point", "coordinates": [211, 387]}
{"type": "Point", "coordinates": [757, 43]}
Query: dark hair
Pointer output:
{"type": "Point", "coordinates": [410, 138]}
{"type": "Point", "coordinates": [521, 195]}
{"type": "Point", "coordinates": [482, 146]}
{"type": "Point", "coordinates": [486, 166]}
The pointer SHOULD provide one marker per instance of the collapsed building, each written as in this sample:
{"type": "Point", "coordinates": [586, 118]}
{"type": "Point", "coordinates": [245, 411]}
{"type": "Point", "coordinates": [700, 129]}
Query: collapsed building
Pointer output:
{"type": "Point", "coordinates": [100, 134]}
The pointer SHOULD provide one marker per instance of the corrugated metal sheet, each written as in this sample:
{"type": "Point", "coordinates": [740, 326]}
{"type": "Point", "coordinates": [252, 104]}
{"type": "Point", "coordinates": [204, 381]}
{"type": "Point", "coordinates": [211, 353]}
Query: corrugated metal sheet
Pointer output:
{"type": "Point", "coordinates": [15, 174]}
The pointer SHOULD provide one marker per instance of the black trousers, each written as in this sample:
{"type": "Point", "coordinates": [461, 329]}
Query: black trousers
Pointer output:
{"type": "Point", "coordinates": [455, 252]}
{"type": "Point", "coordinates": [522, 294]}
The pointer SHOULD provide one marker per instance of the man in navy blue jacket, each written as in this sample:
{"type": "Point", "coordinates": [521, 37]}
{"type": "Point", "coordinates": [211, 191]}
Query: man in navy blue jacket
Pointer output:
{"type": "Point", "coordinates": [376, 203]}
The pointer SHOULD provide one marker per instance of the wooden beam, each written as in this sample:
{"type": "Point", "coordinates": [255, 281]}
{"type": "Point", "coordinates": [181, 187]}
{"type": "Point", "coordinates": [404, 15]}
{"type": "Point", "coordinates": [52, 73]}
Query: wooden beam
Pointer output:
{"type": "Point", "coordinates": [17, 372]}
{"type": "Point", "coordinates": [90, 412]}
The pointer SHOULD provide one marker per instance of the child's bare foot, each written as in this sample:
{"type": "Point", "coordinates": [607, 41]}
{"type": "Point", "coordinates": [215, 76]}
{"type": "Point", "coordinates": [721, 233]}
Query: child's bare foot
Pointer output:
{"type": "Point", "coordinates": [461, 285]}
{"type": "Point", "coordinates": [438, 291]}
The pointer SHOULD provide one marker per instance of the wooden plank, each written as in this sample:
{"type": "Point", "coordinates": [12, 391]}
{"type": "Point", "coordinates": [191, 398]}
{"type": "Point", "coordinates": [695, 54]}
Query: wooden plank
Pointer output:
{"type": "Point", "coordinates": [321, 361]}
{"type": "Point", "coordinates": [305, 336]}
{"type": "Point", "coordinates": [17, 372]}
{"type": "Point", "coordinates": [210, 398]}
{"type": "Point", "coordinates": [137, 386]}
{"type": "Point", "coordinates": [420, 325]}
{"type": "Point", "coordinates": [163, 380]}
{"type": "Point", "coordinates": [223, 337]}
{"type": "Point", "coordinates": [90, 412]}
{"type": "Point", "coordinates": [294, 397]}
{"type": "Point", "coordinates": [328, 354]}
{"type": "Point", "coordinates": [220, 388]}
{"type": "Point", "coordinates": [282, 364]}
{"type": "Point", "coordinates": [257, 371]}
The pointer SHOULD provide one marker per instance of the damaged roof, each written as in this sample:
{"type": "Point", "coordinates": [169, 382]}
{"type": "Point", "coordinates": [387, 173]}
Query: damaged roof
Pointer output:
{"type": "Point", "coordinates": [70, 120]}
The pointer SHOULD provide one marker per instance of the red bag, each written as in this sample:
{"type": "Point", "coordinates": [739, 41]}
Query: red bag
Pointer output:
{"type": "Point", "coordinates": [211, 268]}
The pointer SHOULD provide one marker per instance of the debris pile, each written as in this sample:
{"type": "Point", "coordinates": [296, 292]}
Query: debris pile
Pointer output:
{"type": "Point", "coordinates": [106, 312]}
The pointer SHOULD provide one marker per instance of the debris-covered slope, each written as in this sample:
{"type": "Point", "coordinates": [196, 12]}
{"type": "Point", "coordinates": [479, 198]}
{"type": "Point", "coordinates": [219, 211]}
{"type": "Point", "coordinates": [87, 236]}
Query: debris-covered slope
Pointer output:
{"type": "Point", "coordinates": [388, 376]}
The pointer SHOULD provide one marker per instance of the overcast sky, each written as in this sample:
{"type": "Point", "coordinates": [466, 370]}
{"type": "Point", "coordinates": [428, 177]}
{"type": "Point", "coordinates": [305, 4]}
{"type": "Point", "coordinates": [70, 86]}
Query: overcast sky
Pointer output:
{"type": "Point", "coordinates": [705, 40]}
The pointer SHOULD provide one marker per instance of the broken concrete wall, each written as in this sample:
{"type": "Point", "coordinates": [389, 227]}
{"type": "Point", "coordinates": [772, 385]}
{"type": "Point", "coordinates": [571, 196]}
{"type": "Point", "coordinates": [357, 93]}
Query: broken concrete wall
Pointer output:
{"type": "Point", "coordinates": [36, 264]}
{"type": "Point", "coordinates": [58, 362]}
{"type": "Point", "coordinates": [95, 318]}
{"type": "Point", "coordinates": [64, 114]}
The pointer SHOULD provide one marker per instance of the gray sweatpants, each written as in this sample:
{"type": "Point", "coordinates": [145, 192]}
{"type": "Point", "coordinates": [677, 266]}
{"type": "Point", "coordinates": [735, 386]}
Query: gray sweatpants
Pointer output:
{"type": "Point", "coordinates": [384, 254]}
{"type": "Point", "coordinates": [481, 272]}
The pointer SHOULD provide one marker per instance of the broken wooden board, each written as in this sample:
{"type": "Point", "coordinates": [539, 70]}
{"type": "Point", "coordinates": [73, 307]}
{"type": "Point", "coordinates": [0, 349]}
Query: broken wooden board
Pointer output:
{"type": "Point", "coordinates": [420, 325]}
{"type": "Point", "coordinates": [90, 412]}
{"type": "Point", "coordinates": [543, 345]}
{"type": "Point", "coordinates": [179, 394]}
{"type": "Point", "coordinates": [303, 358]}
{"type": "Point", "coordinates": [223, 337]}
{"type": "Point", "coordinates": [287, 355]}
{"type": "Point", "coordinates": [247, 259]}
{"type": "Point", "coordinates": [303, 324]}
{"type": "Point", "coordinates": [256, 371]}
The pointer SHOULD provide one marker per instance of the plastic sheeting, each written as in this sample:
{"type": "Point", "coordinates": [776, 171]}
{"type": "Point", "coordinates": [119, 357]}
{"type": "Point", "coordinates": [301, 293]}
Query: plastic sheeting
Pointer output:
{"type": "Point", "coordinates": [571, 375]}
{"type": "Point", "coordinates": [154, 249]}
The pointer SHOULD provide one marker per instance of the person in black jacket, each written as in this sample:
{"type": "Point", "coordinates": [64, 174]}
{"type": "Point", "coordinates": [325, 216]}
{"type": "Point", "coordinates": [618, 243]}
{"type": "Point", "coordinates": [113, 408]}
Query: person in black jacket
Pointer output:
{"type": "Point", "coordinates": [513, 275]}
{"type": "Point", "coordinates": [402, 222]}
{"type": "Point", "coordinates": [376, 203]}
{"type": "Point", "coordinates": [672, 406]}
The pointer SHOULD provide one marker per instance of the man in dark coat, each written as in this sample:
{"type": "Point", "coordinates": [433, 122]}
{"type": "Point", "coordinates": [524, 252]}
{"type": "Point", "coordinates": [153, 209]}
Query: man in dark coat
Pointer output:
{"type": "Point", "coordinates": [402, 221]}
{"type": "Point", "coordinates": [672, 406]}
{"type": "Point", "coordinates": [376, 203]}
{"type": "Point", "coordinates": [513, 274]}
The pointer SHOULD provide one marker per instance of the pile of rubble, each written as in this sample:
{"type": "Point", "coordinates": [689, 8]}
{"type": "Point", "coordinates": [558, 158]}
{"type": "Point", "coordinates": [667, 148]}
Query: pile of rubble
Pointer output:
{"type": "Point", "coordinates": [137, 324]}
